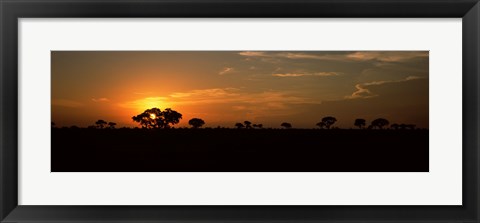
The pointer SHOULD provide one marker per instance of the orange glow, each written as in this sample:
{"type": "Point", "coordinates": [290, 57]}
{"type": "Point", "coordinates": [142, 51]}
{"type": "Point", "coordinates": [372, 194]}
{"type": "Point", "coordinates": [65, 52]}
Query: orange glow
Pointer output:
{"type": "Point", "coordinates": [140, 105]}
{"type": "Point", "coordinates": [153, 116]}
{"type": "Point", "coordinates": [223, 87]}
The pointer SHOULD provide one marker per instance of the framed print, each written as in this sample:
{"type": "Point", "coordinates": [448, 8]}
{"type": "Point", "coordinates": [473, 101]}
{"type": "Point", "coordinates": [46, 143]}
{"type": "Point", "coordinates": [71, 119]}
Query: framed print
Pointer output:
{"type": "Point", "coordinates": [239, 111]}
{"type": "Point", "coordinates": [290, 124]}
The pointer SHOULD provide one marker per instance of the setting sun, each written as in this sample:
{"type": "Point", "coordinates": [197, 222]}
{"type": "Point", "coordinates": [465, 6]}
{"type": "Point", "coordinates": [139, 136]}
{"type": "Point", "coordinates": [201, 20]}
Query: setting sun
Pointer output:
{"type": "Point", "coordinates": [153, 116]}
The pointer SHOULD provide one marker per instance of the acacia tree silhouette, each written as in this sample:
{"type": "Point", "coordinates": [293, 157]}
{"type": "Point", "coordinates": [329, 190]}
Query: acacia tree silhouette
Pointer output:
{"type": "Point", "coordinates": [154, 118]}
{"type": "Point", "coordinates": [328, 121]}
{"type": "Point", "coordinates": [380, 123]}
{"type": "Point", "coordinates": [360, 123]}
{"type": "Point", "coordinates": [239, 125]}
{"type": "Point", "coordinates": [101, 124]}
{"type": "Point", "coordinates": [395, 126]}
{"type": "Point", "coordinates": [112, 125]}
{"type": "Point", "coordinates": [405, 126]}
{"type": "Point", "coordinates": [321, 125]}
{"type": "Point", "coordinates": [286, 125]}
{"type": "Point", "coordinates": [171, 117]}
{"type": "Point", "coordinates": [196, 123]}
{"type": "Point", "coordinates": [248, 124]}
{"type": "Point", "coordinates": [150, 118]}
{"type": "Point", "coordinates": [257, 126]}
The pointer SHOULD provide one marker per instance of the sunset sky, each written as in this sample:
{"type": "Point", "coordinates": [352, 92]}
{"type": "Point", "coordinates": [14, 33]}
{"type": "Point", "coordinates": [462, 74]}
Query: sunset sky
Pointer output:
{"type": "Point", "coordinates": [225, 87]}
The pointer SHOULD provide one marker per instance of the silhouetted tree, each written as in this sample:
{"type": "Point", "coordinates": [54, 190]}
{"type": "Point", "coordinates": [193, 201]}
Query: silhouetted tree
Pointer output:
{"type": "Point", "coordinates": [321, 125]}
{"type": "Point", "coordinates": [380, 123]}
{"type": "Point", "coordinates": [360, 122]}
{"type": "Point", "coordinates": [239, 125]}
{"type": "Point", "coordinates": [155, 118]}
{"type": "Point", "coordinates": [258, 126]}
{"type": "Point", "coordinates": [394, 126]}
{"type": "Point", "coordinates": [411, 127]}
{"type": "Point", "coordinates": [286, 125]}
{"type": "Point", "coordinates": [248, 124]}
{"type": "Point", "coordinates": [150, 119]}
{"type": "Point", "coordinates": [101, 124]}
{"type": "Point", "coordinates": [328, 121]}
{"type": "Point", "coordinates": [196, 123]}
{"type": "Point", "coordinates": [112, 125]}
{"type": "Point", "coordinates": [171, 117]}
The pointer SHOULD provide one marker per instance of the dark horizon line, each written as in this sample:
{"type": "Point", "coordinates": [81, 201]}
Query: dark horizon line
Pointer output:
{"type": "Point", "coordinates": [220, 127]}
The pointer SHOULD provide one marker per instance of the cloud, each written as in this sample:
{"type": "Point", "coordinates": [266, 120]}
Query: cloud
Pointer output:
{"type": "Point", "coordinates": [212, 95]}
{"type": "Point", "coordinates": [225, 70]}
{"type": "Point", "coordinates": [236, 99]}
{"type": "Point", "coordinates": [297, 56]}
{"type": "Point", "coordinates": [289, 55]}
{"type": "Point", "coordinates": [66, 103]}
{"type": "Point", "coordinates": [205, 93]}
{"type": "Point", "coordinates": [145, 103]}
{"type": "Point", "coordinates": [253, 54]}
{"type": "Point", "coordinates": [239, 107]}
{"type": "Point", "coordinates": [100, 99]}
{"type": "Point", "coordinates": [219, 104]}
{"type": "Point", "coordinates": [409, 78]}
{"type": "Point", "coordinates": [387, 56]}
{"type": "Point", "coordinates": [363, 92]}
{"type": "Point", "coordinates": [318, 74]}
{"type": "Point", "coordinates": [381, 56]}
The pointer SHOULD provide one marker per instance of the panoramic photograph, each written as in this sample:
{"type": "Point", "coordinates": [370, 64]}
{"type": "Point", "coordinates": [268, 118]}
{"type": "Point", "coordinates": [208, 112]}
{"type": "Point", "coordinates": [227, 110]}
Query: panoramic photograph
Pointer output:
{"type": "Point", "coordinates": [239, 111]}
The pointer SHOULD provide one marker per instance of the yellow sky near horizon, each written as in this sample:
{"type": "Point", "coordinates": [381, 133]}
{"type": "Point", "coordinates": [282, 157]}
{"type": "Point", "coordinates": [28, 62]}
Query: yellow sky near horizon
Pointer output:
{"type": "Point", "coordinates": [225, 87]}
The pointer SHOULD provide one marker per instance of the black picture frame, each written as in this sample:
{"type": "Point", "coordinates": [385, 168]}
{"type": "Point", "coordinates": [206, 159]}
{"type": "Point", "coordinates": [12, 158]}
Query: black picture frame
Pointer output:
{"type": "Point", "coordinates": [12, 10]}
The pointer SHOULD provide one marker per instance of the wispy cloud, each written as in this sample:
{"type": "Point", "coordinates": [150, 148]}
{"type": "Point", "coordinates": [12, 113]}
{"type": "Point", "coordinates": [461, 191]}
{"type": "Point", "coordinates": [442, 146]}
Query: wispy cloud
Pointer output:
{"type": "Point", "coordinates": [363, 91]}
{"type": "Point", "coordinates": [387, 56]}
{"type": "Point", "coordinates": [409, 78]}
{"type": "Point", "coordinates": [227, 95]}
{"type": "Point", "coordinates": [306, 56]}
{"type": "Point", "coordinates": [145, 103]}
{"type": "Point", "coordinates": [226, 103]}
{"type": "Point", "coordinates": [318, 74]}
{"type": "Point", "coordinates": [66, 103]}
{"type": "Point", "coordinates": [288, 55]}
{"type": "Point", "coordinates": [100, 99]}
{"type": "Point", "coordinates": [225, 70]}
{"type": "Point", "coordinates": [206, 93]}
{"type": "Point", "coordinates": [252, 54]}
{"type": "Point", "coordinates": [381, 56]}
{"type": "Point", "coordinates": [239, 107]}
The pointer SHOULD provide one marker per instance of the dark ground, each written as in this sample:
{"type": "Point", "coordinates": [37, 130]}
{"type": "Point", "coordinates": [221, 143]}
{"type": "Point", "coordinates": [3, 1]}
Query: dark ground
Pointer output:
{"type": "Point", "coordinates": [239, 150]}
